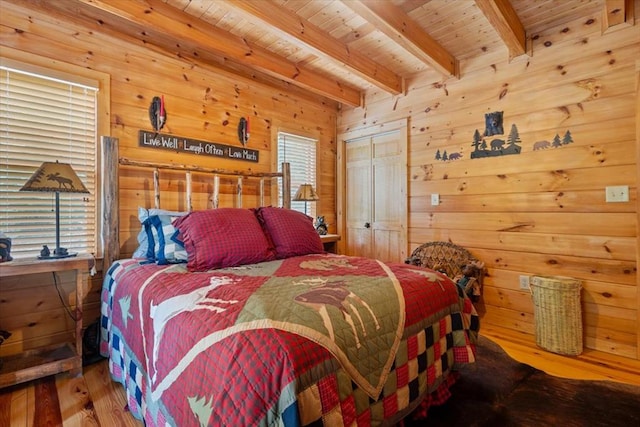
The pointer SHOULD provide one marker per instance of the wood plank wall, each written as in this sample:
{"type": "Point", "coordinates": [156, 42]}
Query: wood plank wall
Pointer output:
{"type": "Point", "coordinates": [202, 103]}
{"type": "Point", "coordinates": [541, 212]}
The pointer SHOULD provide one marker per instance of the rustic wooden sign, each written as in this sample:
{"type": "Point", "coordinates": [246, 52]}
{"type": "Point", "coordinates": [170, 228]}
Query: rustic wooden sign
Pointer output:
{"type": "Point", "coordinates": [180, 144]}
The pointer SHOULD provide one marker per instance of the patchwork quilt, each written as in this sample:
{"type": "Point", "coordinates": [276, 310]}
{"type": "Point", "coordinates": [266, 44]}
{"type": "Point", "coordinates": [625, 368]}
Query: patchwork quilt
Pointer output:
{"type": "Point", "coordinates": [309, 340]}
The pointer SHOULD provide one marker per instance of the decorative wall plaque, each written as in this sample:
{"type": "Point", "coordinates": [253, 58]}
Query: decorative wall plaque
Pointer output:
{"type": "Point", "coordinates": [180, 144]}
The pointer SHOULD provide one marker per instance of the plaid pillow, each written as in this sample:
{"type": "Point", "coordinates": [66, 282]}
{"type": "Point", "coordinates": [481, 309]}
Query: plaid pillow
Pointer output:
{"type": "Point", "coordinates": [291, 232]}
{"type": "Point", "coordinates": [225, 237]}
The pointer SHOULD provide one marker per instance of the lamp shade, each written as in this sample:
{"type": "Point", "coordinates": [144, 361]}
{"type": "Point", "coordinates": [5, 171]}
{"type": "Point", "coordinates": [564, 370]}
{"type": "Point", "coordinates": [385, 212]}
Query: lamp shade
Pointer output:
{"type": "Point", "coordinates": [306, 193]}
{"type": "Point", "coordinates": [55, 177]}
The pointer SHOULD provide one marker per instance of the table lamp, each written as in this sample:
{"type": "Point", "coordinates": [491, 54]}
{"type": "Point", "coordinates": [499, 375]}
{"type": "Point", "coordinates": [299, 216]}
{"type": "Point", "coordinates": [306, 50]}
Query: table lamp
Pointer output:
{"type": "Point", "coordinates": [305, 194]}
{"type": "Point", "coordinates": [55, 178]}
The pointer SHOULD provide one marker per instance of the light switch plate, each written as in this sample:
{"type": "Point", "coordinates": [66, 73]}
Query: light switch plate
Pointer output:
{"type": "Point", "coordinates": [435, 199]}
{"type": "Point", "coordinates": [617, 193]}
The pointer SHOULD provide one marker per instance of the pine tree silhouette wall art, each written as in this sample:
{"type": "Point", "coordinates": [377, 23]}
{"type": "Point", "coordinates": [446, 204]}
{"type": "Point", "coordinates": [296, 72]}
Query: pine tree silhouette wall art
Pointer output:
{"type": "Point", "coordinates": [493, 147]}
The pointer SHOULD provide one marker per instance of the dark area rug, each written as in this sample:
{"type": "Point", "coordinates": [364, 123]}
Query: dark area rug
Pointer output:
{"type": "Point", "coordinates": [499, 391]}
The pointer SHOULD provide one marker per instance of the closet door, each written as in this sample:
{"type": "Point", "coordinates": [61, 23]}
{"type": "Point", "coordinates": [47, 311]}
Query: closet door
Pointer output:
{"type": "Point", "coordinates": [376, 195]}
{"type": "Point", "coordinates": [359, 205]}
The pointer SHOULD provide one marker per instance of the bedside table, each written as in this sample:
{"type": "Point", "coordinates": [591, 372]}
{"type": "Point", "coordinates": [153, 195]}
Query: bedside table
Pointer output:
{"type": "Point", "coordinates": [49, 360]}
{"type": "Point", "coordinates": [330, 242]}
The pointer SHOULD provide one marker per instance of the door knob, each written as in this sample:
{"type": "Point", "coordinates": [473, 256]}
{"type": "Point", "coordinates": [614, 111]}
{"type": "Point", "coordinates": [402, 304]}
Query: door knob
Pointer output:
{"type": "Point", "coordinates": [367, 225]}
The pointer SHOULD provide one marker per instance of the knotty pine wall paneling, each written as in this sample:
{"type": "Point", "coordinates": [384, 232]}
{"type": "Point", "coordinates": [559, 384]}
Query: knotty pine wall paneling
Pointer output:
{"type": "Point", "coordinates": [202, 102]}
{"type": "Point", "coordinates": [541, 212]}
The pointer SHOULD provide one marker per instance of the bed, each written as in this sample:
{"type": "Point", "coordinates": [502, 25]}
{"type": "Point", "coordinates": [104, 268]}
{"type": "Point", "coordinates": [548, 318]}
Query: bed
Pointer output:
{"type": "Point", "coordinates": [236, 316]}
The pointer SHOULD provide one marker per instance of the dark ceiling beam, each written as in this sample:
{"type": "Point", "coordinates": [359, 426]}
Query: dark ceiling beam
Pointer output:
{"type": "Point", "coordinates": [403, 30]}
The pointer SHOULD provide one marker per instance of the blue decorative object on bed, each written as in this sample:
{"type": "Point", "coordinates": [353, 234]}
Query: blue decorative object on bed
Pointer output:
{"type": "Point", "coordinates": [157, 239]}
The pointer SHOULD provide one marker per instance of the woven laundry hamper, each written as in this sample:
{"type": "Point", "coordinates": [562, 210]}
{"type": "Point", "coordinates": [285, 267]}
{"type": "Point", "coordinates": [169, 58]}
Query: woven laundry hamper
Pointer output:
{"type": "Point", "coordinates": [557, 314]}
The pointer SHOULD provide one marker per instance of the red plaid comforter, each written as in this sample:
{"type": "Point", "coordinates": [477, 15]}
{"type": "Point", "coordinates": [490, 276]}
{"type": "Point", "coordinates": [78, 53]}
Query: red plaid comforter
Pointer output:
{"type": "Point", "coordinates": [178, 341]}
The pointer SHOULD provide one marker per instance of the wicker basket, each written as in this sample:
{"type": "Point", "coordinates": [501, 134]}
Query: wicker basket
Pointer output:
{"type": "Point", "coordinates": [557, 314]}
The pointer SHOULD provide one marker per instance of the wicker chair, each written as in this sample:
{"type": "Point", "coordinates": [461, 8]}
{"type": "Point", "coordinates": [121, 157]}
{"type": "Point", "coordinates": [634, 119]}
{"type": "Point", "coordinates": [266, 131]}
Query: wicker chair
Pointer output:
{"type": "Point", "coordinates": [446, 257]}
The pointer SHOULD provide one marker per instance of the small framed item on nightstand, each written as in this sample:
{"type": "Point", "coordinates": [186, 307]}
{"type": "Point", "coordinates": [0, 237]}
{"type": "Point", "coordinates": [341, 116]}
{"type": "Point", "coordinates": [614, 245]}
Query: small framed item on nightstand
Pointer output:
{"type": "Point", "coordinates": [321, 226]}
{"type": "Point", "coordinates": [5, 248]}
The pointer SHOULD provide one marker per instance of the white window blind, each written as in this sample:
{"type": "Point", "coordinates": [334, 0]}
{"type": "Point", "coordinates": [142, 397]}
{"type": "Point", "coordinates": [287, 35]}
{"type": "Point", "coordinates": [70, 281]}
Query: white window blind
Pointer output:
{"type": "Point", "coordinates": [46, 119]}
{"type": "Point", "coordinates": [300, 153]}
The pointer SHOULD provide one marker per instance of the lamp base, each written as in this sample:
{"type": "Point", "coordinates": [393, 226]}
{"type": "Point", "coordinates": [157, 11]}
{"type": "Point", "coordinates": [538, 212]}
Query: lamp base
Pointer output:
{"type": "Point", "coordinates": [57, 253]}
{"type": "Point", "coordinates": [55, 256]}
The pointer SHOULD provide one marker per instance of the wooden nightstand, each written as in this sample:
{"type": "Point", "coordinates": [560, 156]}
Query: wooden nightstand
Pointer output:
{"type": "Point", "coordinates": [330, 242]}
{"type": "Point", "coordinates": [50, 360]}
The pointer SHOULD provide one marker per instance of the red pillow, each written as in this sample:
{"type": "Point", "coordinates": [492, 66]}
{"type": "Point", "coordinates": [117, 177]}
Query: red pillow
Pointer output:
{"type": "Point", "coordinates": [225, 237]}
{"type": "Point", "coordinates": [291, 232]}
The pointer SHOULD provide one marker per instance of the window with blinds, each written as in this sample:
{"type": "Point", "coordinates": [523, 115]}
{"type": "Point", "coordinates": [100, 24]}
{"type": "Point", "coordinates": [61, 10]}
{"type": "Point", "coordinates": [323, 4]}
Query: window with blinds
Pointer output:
{"type": "Point", "coordinates": [46, 118]}
{"type": "Point", "coordinates": [300, 153]}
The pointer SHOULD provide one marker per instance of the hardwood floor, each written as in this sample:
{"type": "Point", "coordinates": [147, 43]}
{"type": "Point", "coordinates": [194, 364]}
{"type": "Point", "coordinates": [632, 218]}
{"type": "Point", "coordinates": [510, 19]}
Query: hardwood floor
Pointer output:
{"type": "Point", "coordinates": [95, 400]}
{"type": "Point", "coordinates": [90, 400]}
{"type": "Point", "coordinates": [590, 365]}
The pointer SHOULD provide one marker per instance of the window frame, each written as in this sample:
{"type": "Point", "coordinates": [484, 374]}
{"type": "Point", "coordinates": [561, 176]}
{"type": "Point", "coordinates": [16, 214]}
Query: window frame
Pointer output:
{"type": "Point", "coordinates": [313, 208]}
{"type": "Point", "coordinates": [68, 72]}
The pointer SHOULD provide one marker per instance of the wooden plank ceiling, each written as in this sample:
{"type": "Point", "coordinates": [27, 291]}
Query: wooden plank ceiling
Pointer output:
{"type": "Point", "coordinates": [337, 49]}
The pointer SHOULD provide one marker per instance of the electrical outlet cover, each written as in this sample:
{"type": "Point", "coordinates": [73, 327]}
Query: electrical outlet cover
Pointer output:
{"type": "Point", "coordinates": [524, 282]}
{"type": "Point", "coordinates": [617, 193]}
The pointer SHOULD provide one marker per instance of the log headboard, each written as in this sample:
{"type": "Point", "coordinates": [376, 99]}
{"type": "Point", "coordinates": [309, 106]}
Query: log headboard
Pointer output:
{"type": "Point", "coordinates": [110, 207]}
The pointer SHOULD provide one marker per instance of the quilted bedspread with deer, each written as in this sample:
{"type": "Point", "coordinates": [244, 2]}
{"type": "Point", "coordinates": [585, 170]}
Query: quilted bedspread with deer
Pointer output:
{"type": "Point", "coordinates": [315, 339]}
